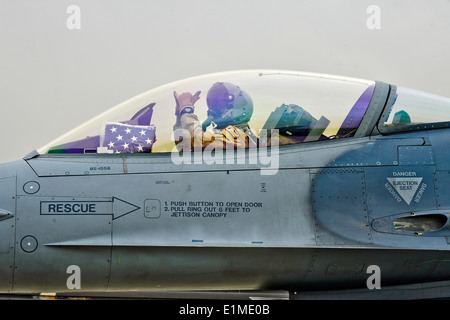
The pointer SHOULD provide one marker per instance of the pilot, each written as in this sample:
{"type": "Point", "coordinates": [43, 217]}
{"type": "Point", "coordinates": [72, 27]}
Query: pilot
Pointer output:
{"type": "Point", "coordinates": [229, 111]}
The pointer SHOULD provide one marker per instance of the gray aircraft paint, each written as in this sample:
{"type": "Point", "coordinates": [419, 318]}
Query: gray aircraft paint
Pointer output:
{"type": "Point", "coordinates": [139, 222]}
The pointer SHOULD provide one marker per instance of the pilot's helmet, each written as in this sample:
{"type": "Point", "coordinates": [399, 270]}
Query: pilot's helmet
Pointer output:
{"type": "Point", "coordinates": [228, 105]}
{"type": "Point", "coordinates": [401, 117]}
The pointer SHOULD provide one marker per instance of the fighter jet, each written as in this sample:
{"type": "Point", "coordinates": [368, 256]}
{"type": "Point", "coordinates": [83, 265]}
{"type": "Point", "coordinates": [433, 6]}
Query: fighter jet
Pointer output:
{"type": "Point", "coordinates": [318, 185]}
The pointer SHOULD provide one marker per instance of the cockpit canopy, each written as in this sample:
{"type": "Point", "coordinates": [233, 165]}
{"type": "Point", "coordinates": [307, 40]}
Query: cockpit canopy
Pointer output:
{"type": "Point", "coordinates": [297, 107]}
{"type": "Point", "coordinates": [415, 110]}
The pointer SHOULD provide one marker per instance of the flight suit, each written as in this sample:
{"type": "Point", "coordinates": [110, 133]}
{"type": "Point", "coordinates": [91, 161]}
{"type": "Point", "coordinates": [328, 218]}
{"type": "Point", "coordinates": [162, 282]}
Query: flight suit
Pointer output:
{"type": "Point", "coordinates": [193, 137]}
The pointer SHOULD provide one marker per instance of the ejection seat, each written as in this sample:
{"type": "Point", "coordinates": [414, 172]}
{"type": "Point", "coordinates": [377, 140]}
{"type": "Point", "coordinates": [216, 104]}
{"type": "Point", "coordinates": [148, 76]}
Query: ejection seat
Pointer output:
{"type": "Point", "coordinates": [295, 125]}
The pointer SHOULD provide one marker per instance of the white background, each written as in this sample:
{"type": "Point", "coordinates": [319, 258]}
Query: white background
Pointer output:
{"type": "Point", "coordinates": [53, 78]}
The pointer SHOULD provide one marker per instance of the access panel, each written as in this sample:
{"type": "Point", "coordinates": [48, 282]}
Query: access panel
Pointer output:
{"type": "Point", "coordinates": [339, 206]}
{"type": "Point", "coordinates": [63, 229]}
{"type": "Point", "coordinates": [7, 225]}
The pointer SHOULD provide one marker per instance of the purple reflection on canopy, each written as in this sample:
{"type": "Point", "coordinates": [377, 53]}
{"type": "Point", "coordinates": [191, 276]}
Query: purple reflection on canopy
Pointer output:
{"type": "Point", "coordinates": [79, 146]}
{"type": "Point", "coordinates": [143, 117]}
{"type": "Point", "coordinates": [354, 117]}
{"type": "Point", "coordinates": [90, 144]}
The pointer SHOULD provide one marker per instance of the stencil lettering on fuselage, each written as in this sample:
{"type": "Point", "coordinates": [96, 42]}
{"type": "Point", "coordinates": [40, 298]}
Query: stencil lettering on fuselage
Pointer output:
{"type": "Point", "coordinates": [406, 185]}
